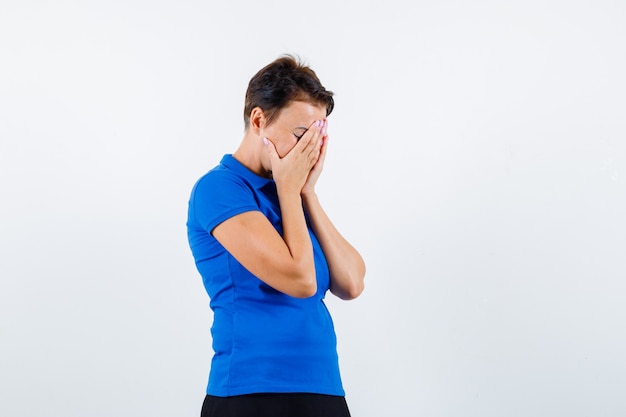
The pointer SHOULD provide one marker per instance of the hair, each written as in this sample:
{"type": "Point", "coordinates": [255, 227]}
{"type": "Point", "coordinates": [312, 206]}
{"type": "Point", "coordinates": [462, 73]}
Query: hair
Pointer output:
{"type": "Point", "coordinates": [285, 80]}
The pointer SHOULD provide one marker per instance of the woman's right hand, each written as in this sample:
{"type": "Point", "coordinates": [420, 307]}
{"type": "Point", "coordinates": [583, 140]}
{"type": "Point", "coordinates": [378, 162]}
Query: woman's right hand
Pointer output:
{"type": "Point", "coordinates": [291, 171]}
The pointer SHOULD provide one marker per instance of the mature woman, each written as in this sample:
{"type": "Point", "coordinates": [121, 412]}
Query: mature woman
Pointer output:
{"type": "Point", "coordinates": [268, 253]}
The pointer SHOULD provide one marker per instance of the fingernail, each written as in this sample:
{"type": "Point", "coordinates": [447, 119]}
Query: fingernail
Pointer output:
{"type": "Point", "coordinates": [265, 141]}
{"type": "Point", "coordinates": [318, 123]}
{"type": "Point", "coordinates": [324, 128]}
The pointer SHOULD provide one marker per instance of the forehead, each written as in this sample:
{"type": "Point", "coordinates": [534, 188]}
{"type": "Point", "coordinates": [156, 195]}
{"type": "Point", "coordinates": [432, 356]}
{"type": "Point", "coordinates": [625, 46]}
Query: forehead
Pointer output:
{"type": "Point", "coordinates": [302, 113]}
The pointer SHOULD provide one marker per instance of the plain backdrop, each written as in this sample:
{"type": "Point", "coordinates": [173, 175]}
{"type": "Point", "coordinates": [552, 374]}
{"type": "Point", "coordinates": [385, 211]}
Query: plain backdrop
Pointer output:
{"type": "Point", "coordinates": [477, 159]}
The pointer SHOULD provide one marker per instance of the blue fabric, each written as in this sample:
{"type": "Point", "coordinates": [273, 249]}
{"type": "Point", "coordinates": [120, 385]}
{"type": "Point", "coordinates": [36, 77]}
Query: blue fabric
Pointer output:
{"type": "Point", "coordinates": [263, 340]}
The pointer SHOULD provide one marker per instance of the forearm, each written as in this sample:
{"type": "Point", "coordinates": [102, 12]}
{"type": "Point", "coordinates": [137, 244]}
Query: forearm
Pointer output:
{"type": "Point", "coordinates": [347, 268]}
{"type": "Point", "coordinates": [295, 232]}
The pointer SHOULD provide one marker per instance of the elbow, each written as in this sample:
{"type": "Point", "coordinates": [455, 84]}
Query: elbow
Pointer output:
{"type": "Point", "coordinates": [304, 281]}
{"type": "Point", "coordinates": [352, 284]}
{"type": "Point", "coordinates": [357, 282]}
{"type": "Point", "coordinates": [358, 290]}
{"type": "Point", "coordinates": [349, 290]}
{"type": "Point", "coordinates": [306, 287]}
{"type": "Point", "coordinates": [353, 291]}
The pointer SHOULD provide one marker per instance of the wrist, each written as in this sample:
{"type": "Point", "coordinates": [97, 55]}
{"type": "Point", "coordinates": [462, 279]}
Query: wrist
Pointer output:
{"type": "Point", "coordinates": [308, 194]}
{"type": "Point", "coordinates": [309, 198]}
{"type": "Point", "coordinates": [286, 192]}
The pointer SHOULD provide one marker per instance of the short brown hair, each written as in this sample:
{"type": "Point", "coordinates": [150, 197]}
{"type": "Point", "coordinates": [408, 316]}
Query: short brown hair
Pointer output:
{"type": "Point", "coordinates": [282, 81]}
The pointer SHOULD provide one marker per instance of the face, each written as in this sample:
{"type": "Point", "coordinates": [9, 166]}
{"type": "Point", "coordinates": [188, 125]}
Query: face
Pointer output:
{"type": "Point", "coordinates": [291, 123]}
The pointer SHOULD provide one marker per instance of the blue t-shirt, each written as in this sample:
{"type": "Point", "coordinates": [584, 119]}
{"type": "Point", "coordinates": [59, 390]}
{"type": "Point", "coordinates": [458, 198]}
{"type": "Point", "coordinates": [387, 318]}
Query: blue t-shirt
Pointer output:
{"type": "Point", "coordinates": [263, 340]}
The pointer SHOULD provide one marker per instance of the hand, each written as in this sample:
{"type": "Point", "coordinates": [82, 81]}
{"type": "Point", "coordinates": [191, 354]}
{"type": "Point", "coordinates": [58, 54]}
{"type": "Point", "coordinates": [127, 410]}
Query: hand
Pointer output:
{"type": "Point", "coordinates": [292, 170]}
{"type": "Point", "coordinates": [314, 174]}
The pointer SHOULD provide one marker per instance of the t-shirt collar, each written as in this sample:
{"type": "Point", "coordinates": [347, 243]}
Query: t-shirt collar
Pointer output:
{"type": "Point", "coordinates": [255, 180]}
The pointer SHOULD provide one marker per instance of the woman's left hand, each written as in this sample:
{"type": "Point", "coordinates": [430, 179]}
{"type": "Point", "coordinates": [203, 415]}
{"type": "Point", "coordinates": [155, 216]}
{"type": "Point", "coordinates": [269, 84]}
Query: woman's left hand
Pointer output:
{"type": "Point", "coordinates": [314, 174]}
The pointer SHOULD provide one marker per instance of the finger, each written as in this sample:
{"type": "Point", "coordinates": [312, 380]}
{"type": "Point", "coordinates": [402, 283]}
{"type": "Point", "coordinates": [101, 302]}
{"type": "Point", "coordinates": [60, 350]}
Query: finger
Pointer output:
{"type": "Point", "coordinates": [271, 150]}
{"type": "Point", "coordinates": [313, 143]}
{"type": "Point", "coordinates": [314, 153]}
{"type": "Point", "coordinates": [310, 133]}
{"type": "Point", "coordinates": [324, 148]}
{"type": "Point", "coordinates": [324, 127]}
{"type": "Point", "coordinates": [319, 164]}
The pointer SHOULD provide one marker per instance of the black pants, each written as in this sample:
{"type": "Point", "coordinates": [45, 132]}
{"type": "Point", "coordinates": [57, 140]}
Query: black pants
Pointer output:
{"type": "Point", "coordinates": [275, 405]}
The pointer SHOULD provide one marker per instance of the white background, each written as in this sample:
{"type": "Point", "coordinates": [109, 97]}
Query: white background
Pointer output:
{"type": "Point", "coordinates": [477, 160]}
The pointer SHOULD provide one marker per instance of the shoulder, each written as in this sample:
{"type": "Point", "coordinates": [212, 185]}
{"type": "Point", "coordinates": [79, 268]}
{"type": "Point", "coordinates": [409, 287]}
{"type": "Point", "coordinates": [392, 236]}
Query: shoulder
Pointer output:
{"type": "Point", "coordinates": [219, 195]}
{"type": "Point", "coordinates": [220, 180]}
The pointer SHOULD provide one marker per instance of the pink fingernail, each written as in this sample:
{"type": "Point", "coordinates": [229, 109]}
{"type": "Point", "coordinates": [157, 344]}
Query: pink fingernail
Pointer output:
{"type": "Point", "coordinates": [265, 141]}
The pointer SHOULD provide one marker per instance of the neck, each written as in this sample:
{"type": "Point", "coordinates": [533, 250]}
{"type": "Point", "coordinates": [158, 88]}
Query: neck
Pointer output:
{"type": "Point", "coordinates": [250, 154]}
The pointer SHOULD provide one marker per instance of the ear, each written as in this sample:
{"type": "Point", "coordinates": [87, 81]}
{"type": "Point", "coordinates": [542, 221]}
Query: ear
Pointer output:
{"type": "Point", "coordinates": [257, 120]}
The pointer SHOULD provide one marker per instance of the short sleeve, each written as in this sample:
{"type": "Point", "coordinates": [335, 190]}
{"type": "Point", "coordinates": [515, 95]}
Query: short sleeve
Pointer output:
{"type": "Point", "coordinates": [218, 196]}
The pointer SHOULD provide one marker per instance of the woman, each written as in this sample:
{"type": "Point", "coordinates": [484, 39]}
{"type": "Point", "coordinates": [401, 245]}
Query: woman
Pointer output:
{"type": "Point", "coordinates": [267, 253]}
